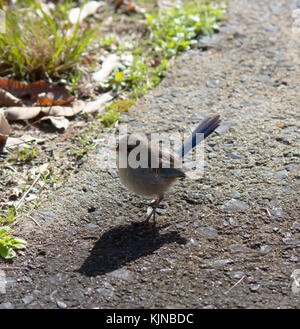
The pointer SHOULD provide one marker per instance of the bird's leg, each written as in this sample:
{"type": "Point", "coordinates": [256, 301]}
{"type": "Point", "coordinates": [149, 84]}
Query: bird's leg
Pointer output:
{"type": "Point", "coordinates": [154, 205]}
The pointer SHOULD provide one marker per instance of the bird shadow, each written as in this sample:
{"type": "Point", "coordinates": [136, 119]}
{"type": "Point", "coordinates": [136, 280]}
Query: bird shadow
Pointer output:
{"type": "Point", "coordinates": [124, 244]}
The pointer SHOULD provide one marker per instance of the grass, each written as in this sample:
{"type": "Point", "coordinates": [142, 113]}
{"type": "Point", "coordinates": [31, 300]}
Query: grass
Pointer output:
{"type": "Point", "coordinates": [25, 155]}
{"type": "Point", "coordinates": [114, 110]}
{"type": "Point", "coordinates": [169, 33]}
{"type": "Point", "coordinates": [83, 145]}
{"type": "Point", "coordinates": [39, 45]}
{"type": "Point", "coordinates": [9, 217]}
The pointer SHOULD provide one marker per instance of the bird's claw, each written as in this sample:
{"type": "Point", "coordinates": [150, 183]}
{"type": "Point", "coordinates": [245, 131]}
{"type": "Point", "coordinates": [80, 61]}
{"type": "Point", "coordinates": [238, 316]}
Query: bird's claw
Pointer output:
{"type": "Point", "coordinates": [154, 204]}
{"type": "Point", "coordinates": [151, 212]}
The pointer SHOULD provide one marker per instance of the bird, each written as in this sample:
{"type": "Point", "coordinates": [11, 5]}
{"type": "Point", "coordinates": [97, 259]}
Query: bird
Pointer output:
{"type": "Point", "coordinates": [153, 181]}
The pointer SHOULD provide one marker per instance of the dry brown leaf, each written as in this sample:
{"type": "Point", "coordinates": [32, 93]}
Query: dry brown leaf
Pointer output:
{"type": "Point", "coordinates": [30, 112]}
{"type": "Point", "coordinates": [66, 111]}
{"type": "Point", "coordinates": [58, 122]}
{"type": "Point", "coordinates": [40, 93]}
{"type": "Point", "coordinates": [43, 169]}
{"type": "Point", "coordinates": [4, 130]}
{"type": "Point", "coordinates": [99, 104]}
{"type": "Point", "coordinates": [128, 6]}
{"type": "Point", "coordinates": [46, 8]}
{"type": "Point", "coordinates": [108, 65]}
{"type": "Point", "coordinates": [14, 142]}
{"type": "Point", "coordinates": [77, 15]}
{"type": "Point", "coordinates": [16, 192]}
{"type": "Point", "coordinates": [7, 99]}
{"type": "Point", "coordinates": [21, 113]}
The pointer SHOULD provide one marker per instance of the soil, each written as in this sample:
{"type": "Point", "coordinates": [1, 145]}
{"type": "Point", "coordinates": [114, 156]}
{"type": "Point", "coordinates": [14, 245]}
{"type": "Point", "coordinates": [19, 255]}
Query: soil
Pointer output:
{"type": "Point", "coordinates": [227, 240]}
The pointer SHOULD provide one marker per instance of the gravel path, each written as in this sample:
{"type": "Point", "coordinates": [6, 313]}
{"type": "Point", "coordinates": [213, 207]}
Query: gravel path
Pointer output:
{"type": "Point", "coordinates": [230, 239]}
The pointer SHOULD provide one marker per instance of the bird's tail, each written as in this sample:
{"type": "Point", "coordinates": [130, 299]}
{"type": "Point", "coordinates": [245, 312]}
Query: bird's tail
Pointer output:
{"type": "Point", "coordinates": [205, 128]}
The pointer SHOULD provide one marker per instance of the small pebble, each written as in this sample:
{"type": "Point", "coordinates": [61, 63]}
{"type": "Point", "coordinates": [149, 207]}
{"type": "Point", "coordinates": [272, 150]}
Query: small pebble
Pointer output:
{"type": "Point", "coordinates": [254, 287]}
{"type": "Point", "coordinates": [282, 174]}
{"type": "Point", "coordinates": [192, 243]}
{"type": "Point", "coordinates": [212, 83]}
{"type": "Point", "coordinates": [236, 275]}
{"type": "Point", "coordinates": [27, 299]}
{"type": "Point", "coordinates": [220, 262]}
{"type": "Point", "coordinates": [61, 304]}
{"type": "Point", "coordinates": [92, 227]}
{"type": "Point", "coordinates": [265, 250]}
{"type": "Point", "coordinates": [122, 274]}
{"type": "Point", "coordinates": [235, 205]}
{"type": "Point", "coordinates": [7, 306]}
{"type": "Point", "coordinates": [105, 292]}
{"type": "Point", "coordinates": [276, 212]}
{"type": "Point", "coordinates": [238, 248]}
{"type": "Point", "coordinates": [235, 194]}
{"type": "Point", "coordinates": [208, 232]}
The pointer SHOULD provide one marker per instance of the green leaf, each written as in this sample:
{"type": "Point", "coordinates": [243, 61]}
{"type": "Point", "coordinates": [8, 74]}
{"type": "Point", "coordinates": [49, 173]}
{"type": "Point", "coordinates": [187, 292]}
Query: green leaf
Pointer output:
{"type": "Point", "coordinates": [6, 252]}
{"type": "Point", "coordinates": [119, 76]}
{"type": "Point", "coordinates": [4, 230]}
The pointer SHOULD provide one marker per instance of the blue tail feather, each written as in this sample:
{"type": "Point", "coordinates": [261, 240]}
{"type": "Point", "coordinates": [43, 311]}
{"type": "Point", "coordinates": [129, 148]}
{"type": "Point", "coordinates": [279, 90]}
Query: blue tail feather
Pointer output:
{"type": "Point", "coordinates": [206, 127]}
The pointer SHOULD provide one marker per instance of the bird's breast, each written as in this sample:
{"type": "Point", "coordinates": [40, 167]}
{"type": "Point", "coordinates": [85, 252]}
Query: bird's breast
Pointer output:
{"type": "Point", "coordinates": [144, 181]}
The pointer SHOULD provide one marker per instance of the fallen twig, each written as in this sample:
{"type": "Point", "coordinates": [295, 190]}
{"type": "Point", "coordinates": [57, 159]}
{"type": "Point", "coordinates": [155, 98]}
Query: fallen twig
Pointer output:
{"type": "Point", "coordinates": [33, 220]}
{"type": "Point", "coordinates": [12, 268]}
{"type": "Point", "coordinates": [240, 280]}
{"type": "Point", "coordinates": [26, 193]}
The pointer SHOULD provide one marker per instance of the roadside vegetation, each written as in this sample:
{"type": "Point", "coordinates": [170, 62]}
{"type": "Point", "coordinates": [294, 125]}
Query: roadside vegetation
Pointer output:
{"type": "Point", "coordinates": [56, 59]}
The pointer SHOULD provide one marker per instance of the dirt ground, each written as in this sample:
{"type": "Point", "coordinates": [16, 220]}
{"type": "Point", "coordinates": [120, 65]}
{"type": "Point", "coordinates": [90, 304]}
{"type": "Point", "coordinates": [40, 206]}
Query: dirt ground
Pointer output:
{"type": "Point", "coordinates": [228, 240]}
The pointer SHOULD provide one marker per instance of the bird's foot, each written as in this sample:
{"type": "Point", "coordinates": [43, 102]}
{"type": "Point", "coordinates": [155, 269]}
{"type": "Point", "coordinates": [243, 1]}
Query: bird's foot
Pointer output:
{"type": "Point", "coordinates": [152, 212]}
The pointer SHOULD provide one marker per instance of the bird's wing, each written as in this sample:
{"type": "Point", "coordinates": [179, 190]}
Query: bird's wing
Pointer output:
{"type": "Point", "coordinates": [171, 172]}
{"type": "Point", "coordinates": [168, 167]}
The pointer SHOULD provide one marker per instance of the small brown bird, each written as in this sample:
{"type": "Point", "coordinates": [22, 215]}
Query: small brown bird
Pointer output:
{"type": "Point", "coordinates": [149, 181]}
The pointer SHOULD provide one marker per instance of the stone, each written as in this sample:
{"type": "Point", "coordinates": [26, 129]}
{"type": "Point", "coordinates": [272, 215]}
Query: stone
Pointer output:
{"type": "Point", "coordinates": [221, 262]}
{"type": "Point", "coordinates": [276, 212]}
{"type": "Point", "coordinates": [235, 194]}
{"type": "Point", "coordinates": [208, 41]}
{"type": "Point", "coordinates": [7, 306]}
{"type": "Point", "coordinates": [291, 242]}
{"type": "Point", "coordinates": [2, 282]}
{"type": "Point", "coordinates": [265, 249]}
{"type": "Point", "coordinates": [61, 304]}
{"type": "Point", "coordinates": [121, 274]}
{"type": "Point", "coordinates": [208, 232]}
{"type": "Point", "coordinates": [282, 174]}
{"type": "Point", "coordinates": [209, 197]}
{"type": "Point", "coordinates": [105, 292]}
{"type": "Point", "coordinates": [254, 287]}
{"type": "Point", "coordinates": [296, 225]}
{"type": "Point", "coordinates": [212, 83]}
{"type": "Point", "coordinates": [192, 243]}
{"type": "Point", "coordinates": [223, 127]}
{"type": "Point", "coordinates": [234, 155]}
{"type": "Point", "coordinates": [92, 227]}
{"type": "Point", "coordinates": [234, 205]}
{"type": "Point", "coordinates": [46, 214]}
{"type": "Point", "coordinates": [238, 248]}
{"type": "Point", "coordinates": [27, 299]}
{"type": "Point", "coordinates": [236, 275]}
